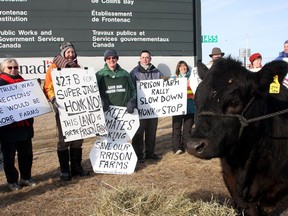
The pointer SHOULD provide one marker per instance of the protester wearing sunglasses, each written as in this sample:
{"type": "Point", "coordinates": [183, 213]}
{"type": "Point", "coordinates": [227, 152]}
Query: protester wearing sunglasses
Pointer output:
{"type": "Point", "coordinates": [16, 137]}
{"type": "Point", "coordinates": [115, 84]}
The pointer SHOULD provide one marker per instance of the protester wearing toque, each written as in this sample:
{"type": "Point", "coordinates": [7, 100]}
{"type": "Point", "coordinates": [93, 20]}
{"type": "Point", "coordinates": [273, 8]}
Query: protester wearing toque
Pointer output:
{"type": "Point", "coordinates": [284, 54]}
{"type": "Point", "coordinates": [215, 55]}
{"type": "Point", "coordinates": [255, 60]}
{"type": "Point", "coordinates": [115, 84]}
{"type": "Point", "coordinates": [66, 151]}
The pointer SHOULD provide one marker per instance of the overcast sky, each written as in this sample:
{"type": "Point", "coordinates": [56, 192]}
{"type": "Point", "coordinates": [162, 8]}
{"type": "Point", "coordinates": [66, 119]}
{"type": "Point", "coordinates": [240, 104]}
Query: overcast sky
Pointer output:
{"type": "Point", "coordinates": [261, 26]}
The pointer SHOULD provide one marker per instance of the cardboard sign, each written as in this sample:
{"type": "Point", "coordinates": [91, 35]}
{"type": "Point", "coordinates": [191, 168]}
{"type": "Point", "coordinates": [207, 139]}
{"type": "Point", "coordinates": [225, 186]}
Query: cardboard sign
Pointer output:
{"type": "Point", "coordinates": [22, 100]}
{"type": "Point", "coordinates": [80, 108]}
{"type": "Point", "coordinates": [194, 79]}
{"type": "Point", "coordinates": [120, 124]}
{"type": "Point", "coordinates": [113, 154]}
{"type": "Point", "coordinates": [111, 157]}
{"type": "Point", "coordinates": [159, 98]}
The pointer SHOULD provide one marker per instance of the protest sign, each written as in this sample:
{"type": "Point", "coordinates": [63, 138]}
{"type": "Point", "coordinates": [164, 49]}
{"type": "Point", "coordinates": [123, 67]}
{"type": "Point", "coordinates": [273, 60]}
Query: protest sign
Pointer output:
{"type": "Point", "coordinates": [194, 79]}
{"type": "Point", "coordinates": [22, 100]}
{"type": "Point", "coordinates": [80, 108]}
{"type": "Point", "coordinates": [121, 125]}
{"type": "Point", "coordinates": [111, 157]}
{"type": "Point", "coordinates": [114, 154]}
{"type": "Point", "coordinates": [159, 98]}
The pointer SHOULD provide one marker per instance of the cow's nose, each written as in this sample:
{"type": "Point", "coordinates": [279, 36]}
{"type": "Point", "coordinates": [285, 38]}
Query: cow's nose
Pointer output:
{"type": "Point", "coordinates": [197, 146]}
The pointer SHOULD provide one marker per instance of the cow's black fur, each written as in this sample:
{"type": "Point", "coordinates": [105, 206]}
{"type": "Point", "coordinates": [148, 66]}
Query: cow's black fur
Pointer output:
{"type": "Point", "coordinates": [254, 163]}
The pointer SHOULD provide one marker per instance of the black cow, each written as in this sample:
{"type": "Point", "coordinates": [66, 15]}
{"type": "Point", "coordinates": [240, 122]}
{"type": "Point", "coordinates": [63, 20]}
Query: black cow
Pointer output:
{"type": "Point", "coordinates": [245, 126]}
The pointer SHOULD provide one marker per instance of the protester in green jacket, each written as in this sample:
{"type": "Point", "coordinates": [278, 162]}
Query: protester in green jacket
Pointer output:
{"type": "Point", "coordinates": [115, 84]}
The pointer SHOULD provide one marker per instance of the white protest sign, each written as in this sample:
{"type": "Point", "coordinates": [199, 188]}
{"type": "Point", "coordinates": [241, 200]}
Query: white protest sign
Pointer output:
{"type": "Point", "coordinates": [80, 108]}
{"type": "Point", "coordinates": [22, 100]}
{"type": "Point", "coordinates": [112, 157]}
{"type": "Point", "coordinates": [114, 154]}
{"type": "Point", "coordinates": [194, 79]}
{"type": "Point", "coordinates": [159, 98]}
{"type": "Point", "coordinates": [121, 125]}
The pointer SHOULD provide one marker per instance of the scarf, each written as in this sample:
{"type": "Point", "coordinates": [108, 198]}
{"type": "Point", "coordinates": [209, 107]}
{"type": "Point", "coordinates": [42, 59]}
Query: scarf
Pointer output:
{"type": "Point", "coordinates": [10, 79]}
{"type": "Point", "coordinates": [62, 62]}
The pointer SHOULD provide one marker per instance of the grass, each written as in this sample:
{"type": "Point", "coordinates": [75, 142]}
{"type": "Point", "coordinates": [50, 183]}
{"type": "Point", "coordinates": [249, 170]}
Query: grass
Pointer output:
{"type": "Point", "coordinates": [155, 202]}
{"type": "Point", "coordinates": [177, 185]}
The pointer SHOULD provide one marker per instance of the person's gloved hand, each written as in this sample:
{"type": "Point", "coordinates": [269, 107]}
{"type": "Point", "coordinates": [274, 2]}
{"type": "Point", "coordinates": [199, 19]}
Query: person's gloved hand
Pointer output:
{"type": "Point", "coordinates": [165, 78]}
{"type": "Point", "coordinates": [55, 105]}
{"type": "Point", "coordinates": [105, 104]}
{"type": "Point", "coordinates": [132, 103]}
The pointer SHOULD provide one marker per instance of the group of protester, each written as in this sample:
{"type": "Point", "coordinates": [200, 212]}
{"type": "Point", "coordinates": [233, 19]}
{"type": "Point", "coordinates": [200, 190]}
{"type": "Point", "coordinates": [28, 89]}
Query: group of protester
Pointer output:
{"type": "Point", "coordinates": [70, 153]}
{"type": "Point", "coordinates": [255, 59]}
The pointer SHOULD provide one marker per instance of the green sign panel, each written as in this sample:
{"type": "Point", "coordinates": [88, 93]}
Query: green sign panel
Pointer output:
{"type": "Point", "coordinates": [209, 38]}
{"type": "Point", "coordinates": [33, 28]}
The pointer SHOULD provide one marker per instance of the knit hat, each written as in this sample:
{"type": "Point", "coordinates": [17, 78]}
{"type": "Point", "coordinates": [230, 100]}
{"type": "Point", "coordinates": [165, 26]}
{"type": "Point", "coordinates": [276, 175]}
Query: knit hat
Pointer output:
{"type": "Point", "coordinates": [110, 52]}
{"type": "Point", "coordinates": [65, 46]}
{"type": "Point", "coordinates": [254, 56]}
{"type": "Point", "coordinates": [216, 51]}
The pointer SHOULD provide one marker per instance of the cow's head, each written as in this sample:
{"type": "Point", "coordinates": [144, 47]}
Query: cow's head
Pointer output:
{"type": "Point", "coordinates": [221, 99]}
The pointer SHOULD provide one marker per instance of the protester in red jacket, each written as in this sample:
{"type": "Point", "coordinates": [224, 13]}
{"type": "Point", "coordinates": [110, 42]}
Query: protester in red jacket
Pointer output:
{"type": "Point", "coordinates": [16, 137]}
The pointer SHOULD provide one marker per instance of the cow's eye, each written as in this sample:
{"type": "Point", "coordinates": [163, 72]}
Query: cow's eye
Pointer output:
{"type": "Point", "coordinates": [234, 106]}
{"type": "Point", "coordinates": [234, 103]}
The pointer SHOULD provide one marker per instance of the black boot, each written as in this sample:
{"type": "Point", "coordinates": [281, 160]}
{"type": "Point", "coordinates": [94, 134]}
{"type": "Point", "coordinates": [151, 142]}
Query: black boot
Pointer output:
{"type": "Point", "coordinates": [63, 157]}
{"type": "Point", "coordinates": [76, 158]}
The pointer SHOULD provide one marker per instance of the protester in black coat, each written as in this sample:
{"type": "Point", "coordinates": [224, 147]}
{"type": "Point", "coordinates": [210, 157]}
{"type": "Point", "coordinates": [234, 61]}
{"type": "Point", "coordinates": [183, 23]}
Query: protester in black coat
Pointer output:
{"type": "Point", "coordinates": [16, 137]}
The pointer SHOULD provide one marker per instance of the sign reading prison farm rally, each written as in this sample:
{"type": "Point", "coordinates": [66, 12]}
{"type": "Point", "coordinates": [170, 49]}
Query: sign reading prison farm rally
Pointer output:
{"type": "Point", "coordinates": [80, 107]}
{"type": "Point", "coordinates": [114, 154]}
{"type": "Point", "coordinates": [159, 98]}
{"type": "Point", "coordinates": [20, 101]}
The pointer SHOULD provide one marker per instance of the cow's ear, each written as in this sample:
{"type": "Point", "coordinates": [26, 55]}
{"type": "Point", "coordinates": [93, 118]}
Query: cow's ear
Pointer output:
{"type": "Point", "coordinates": [266, 74]}
{"type": "Point", "coordinates": [202, 70]}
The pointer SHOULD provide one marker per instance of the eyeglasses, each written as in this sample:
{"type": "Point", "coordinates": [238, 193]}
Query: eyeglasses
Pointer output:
{"type": "Point", "coordinates": [113, 57]}
{"type": "Point", "coordinates": [15, 67]}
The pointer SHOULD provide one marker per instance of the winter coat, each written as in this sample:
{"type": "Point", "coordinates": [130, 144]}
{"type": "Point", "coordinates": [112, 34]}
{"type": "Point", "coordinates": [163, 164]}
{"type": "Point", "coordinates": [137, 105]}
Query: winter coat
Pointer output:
{"type": "Point", "coordinates": [115, 86]}
{"type": "Point", "coordinates": [139, 73]}
{"type": "Point", "coordinates": [282, 55]}
{"type": "Point", "coordinates": [17, 131]}
{"type": "Point", "coordinates": [190, 95]}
